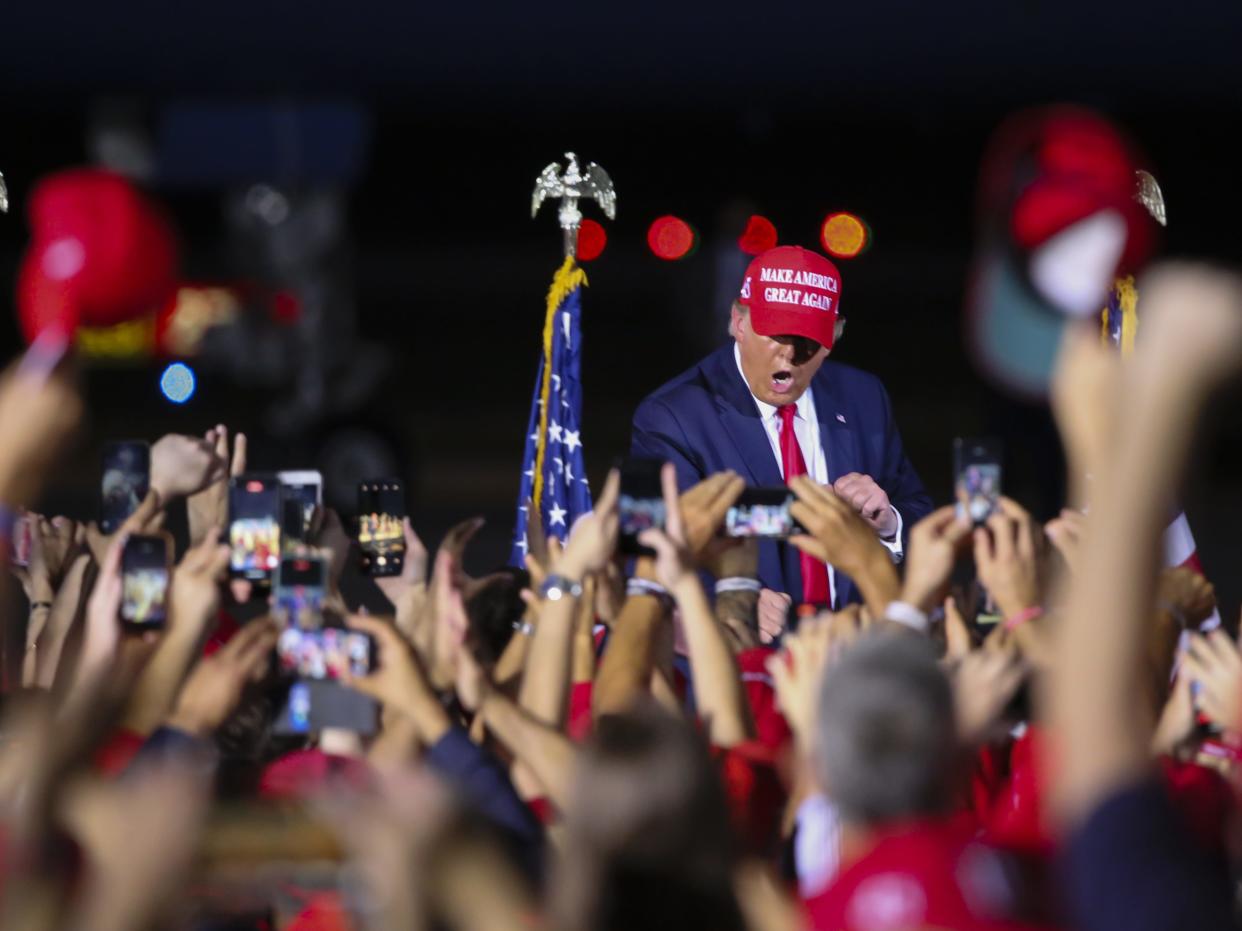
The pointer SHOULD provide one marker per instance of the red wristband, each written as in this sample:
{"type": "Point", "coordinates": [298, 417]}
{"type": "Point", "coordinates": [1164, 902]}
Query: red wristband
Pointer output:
{"type": "Point", "coordinates": [1014, 621]}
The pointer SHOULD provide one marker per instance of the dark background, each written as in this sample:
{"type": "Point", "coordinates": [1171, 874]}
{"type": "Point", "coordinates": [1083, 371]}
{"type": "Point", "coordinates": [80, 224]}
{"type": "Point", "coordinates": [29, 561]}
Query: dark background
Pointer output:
{"type": "Point", "coordinates": [707, 111]}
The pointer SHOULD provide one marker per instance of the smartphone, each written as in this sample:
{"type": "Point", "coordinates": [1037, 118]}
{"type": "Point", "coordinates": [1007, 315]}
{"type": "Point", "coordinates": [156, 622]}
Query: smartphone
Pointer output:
{"type": "Point", "coordinates": [976, 478]}
{"type": "Point", "coordinates": [297, 598]}
{"type": "Point", "coordinates": [316, 704]}
{"type": "Point", "coordinates": [762, 512]}
{"type": "Point", "coordinates": [305, 487]}
{"type": "Point", "coordinates": [126, 481]}
{"type": "Point", "coordinates": [381, 535]}
{"type": "Point", "coordinates": [144, 582]}
{"type": "Point", "coordinates": [641, 505]}
{"type": "Point", "coordinates": [254, 526]}
{"type": "Point", "coordinates": [324, 654]}
{"type": "Point", "coordinates": [23, 530]}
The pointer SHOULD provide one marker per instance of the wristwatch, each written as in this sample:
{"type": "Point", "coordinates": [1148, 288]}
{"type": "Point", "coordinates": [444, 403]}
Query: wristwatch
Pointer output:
{"type": "Point", "coordinates": [556, 587]}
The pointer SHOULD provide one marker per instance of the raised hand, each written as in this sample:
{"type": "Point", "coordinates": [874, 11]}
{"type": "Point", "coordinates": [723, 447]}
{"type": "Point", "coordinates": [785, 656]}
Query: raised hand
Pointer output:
{"type": "Point", "coordinates": [1213, 661]}
{"type": "Point", "coordinates": [593, 539]}
{"type": "Point", "coordinates": [210, 507]}
{"type": "Point", "coordinates": [702, 511]}
{"type": "Point", "coordinates": [797, 673]}
{"type": "Point", "coordinates": [1187, 595]}
{"type": "Point", "coordinates": [674, 562]}
{"type": "Point", "coordinates": [148, 518]}
{"type": "Point", "coordinates": [38, 416]}
{"type": "Point", "coordinates": [185, 465]}
{"type": "Point", "coordinates": [53, 546]}
{"type": "Point", "coordinates": [935, 544]}
{"type": "Point", "coordinates": [836, 532]}
{"type": "Point", "coordinates": [398, 679]}
{"type": "Point", "coordinates": [1008, 558]}
{"type": "Point", "coordinates": [413, 570]}
{"type": "Point", "coordinates": [984, 681]}
{"type": "Point", "coordinates": [215, 686]}
{"type": "Point", "coordinates": [195, 592]}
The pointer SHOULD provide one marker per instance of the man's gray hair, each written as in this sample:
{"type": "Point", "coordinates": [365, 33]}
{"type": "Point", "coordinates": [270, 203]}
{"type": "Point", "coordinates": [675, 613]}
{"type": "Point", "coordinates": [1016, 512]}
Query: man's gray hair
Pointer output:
{"type": "Point", "coordinates": [887, 744]}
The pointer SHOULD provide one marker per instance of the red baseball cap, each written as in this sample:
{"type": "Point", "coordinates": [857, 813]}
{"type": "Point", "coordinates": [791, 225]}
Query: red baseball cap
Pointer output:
{"type": "Point", "coordinates": [102, 253]}
{"type": "Point", "coordinates": [791, 291]}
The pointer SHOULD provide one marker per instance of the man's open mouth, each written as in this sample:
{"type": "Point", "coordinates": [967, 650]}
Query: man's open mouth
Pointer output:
{"type": "Point", "coordinates": [782, 381]}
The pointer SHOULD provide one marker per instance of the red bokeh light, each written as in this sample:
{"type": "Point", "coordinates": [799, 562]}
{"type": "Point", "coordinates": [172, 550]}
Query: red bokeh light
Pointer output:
{"type": "Point", "coordinates": [759, 236]}
{"type": "Point", "coordinates": [670, 238]}
{"type": "Point", "coordinates": [591, 240]}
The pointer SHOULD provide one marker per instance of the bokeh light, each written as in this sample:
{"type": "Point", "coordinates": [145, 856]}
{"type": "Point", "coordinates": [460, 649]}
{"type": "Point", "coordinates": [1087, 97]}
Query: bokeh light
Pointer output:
{"type": "Point", "coordinates": [591, 240]}
{"type": "Point", "coordinates": [759, 236]}
{"type": "Point", "coordinates": [844, 235]}
{"type": "Point", "coordinates": [178, 383]}
{"type": "Point", "coordinates": [671, 238]}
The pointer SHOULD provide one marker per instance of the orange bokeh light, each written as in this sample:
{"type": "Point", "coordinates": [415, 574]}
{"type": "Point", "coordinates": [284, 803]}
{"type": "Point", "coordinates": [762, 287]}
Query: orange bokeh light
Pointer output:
{"type": "Point", "coordinates": [843, 235]}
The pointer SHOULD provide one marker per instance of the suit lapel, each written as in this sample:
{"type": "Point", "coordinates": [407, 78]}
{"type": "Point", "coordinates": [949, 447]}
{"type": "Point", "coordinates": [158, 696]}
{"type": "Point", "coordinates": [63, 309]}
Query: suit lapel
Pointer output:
{"type": "Point", "coordinates": [740, 419]}
{"type": "Point", "coordinates": [839, 441]}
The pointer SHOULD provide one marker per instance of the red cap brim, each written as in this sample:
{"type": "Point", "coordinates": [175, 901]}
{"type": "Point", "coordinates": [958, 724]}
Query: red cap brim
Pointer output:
{"type": "Point", "coordinates": [818, 325]}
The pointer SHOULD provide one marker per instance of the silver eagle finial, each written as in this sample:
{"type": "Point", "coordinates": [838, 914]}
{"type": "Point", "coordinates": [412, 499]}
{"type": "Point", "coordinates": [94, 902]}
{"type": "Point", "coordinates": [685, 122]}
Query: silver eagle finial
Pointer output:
{"type": "Point", "coordinates": [1151, 197]}
{"type": "Point", "coordinates": [570, 187]}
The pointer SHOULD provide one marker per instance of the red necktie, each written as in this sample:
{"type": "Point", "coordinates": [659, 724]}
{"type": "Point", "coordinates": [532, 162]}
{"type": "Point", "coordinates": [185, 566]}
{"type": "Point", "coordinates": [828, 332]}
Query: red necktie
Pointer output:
{"type": "Point", "coordinates": [814, 573]}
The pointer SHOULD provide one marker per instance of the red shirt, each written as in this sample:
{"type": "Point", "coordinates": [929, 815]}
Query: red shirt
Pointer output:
{"type": "Point", "coordinates": [933, 873]}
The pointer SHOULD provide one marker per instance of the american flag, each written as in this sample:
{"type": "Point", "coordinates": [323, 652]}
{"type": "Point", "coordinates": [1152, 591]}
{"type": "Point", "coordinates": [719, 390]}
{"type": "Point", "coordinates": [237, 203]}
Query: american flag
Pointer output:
{"type": "Point", "coordinates": [554, 482]}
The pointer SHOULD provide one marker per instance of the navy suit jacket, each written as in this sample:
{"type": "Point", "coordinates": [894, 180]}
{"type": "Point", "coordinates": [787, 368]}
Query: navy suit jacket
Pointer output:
{"type": "Point", "coordinates": [705, 420]}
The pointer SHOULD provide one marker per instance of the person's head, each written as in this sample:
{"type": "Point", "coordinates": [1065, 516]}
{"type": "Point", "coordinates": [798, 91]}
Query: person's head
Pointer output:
{"type": "Point", "coordinates": [493, 605]}
{"type": "Point", "coordinates": [786, 321]}
{"type": "Point", "coordinates": [649, 842]}
{"type": "Point", "coordinates": [886, 744]}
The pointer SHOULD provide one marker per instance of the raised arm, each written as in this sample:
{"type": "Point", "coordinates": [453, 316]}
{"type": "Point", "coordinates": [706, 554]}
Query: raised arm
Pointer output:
{"type": "Point", "coordinates": [718, 691]}
{"type": "Point", "coordinates": [544, 690]}
{"type": "Point", "coordinates": [1192, 338]}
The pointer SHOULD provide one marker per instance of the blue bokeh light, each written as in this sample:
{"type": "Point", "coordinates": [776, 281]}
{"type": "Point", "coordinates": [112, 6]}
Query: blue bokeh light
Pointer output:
{"type": "Point", "coordinates": [178, 383]}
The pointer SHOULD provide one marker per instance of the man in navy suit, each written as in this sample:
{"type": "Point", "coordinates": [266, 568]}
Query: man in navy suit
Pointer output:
{"type": "Point", "coordinates": [768, 407]}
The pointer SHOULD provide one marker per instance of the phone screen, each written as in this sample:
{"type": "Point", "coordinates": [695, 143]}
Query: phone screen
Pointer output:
{"type": "Point", "coordinates": [254, 527]}
{"type": "Point", "coordinates": [298, 598]}
{"type": "Point", "coordinates": [306, 488]}
{"type": "Point", "coordinates": [762, 512]}
{"type": "Point", "coordinates": [144, 581]}
{"type": "Point", "coordinates": [327, 653]}
{"type": "Point", "coordinates": [977, 478]}
{"type": "Point", "coordinates": [381, 535]}
{"type": "Point", "coordinates": [641, 503]}
{"type": "Point", "coordinates": [22, 530]}
{"type": "Point", "coordinates": [126, 480]}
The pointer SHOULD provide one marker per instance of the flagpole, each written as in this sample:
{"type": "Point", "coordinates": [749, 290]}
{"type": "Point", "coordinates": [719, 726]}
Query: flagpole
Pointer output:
{"type": "Point", "coordinates": [554, 488]}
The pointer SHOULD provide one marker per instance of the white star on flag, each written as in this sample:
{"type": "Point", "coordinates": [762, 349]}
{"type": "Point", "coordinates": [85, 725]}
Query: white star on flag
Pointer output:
{"type": "Point", "coordinates": [569, 473]}
{"type": "Point", "coordinates": [554, 432]}
{"type": "Point", "coordinates": [529, 473]}
{"type": "Point", "coordinates": [556, 382]}
{"type": "Point", "coordinates": [521, 544]}
{"type": "Point", "coordinates": [560, 463]}
{"type": "Point", "coordinates": [556, 515]}
{"type": "Point", "coordinates": [572, 440]}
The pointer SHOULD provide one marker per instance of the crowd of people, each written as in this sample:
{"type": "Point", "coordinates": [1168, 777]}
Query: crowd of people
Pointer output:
{"type": "Point", "coordinates": [599, 744]}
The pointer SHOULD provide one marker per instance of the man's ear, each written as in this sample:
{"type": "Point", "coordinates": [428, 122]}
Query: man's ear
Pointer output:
{"type": "Point", "coordinates": [737, 321]}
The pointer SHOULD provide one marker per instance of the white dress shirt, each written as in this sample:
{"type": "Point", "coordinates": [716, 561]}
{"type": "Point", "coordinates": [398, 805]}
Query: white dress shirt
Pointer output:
{"type": "Point", "coordinates": [806, 427]}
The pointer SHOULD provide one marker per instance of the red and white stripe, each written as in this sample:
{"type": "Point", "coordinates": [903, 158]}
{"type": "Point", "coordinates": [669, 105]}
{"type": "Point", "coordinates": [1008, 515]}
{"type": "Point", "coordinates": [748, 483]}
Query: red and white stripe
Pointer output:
{"type": "Point", "coordinates": [1180, 550]}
